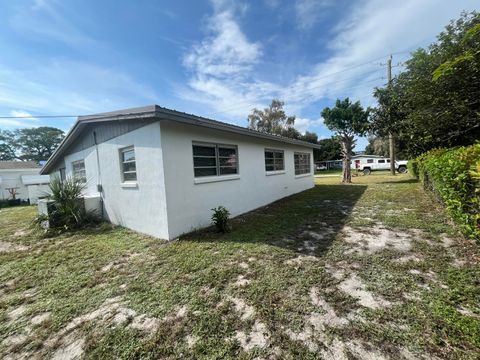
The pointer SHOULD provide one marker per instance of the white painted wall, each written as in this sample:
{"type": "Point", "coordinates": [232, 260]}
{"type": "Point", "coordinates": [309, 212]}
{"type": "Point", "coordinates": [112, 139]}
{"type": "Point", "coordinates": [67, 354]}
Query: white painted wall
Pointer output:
{"type": "Point", "coordinates": [13, 178]}
{"type": "Point", "coordinates": [189, 204]}
{"type": "Point", "coordinates": [36, 191]}
{"type": "Point", "coordinates": [140, 206]}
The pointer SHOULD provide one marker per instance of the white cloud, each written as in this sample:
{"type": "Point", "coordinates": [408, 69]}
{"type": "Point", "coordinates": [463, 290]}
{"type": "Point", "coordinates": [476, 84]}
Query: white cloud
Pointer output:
{"type": "Point", "coordinates": [226, 51]}
{"type": "Point", "coordinates": [23, 114]}
{"type": "Point", "coordinates": [309, 12]}
{"type": "Point", "coordinates": [225, 65]}
{"type": "Point", "coordinates": [303, 124]}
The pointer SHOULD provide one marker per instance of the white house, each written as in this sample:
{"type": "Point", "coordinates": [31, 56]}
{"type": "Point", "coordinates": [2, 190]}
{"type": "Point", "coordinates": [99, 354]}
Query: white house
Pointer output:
{"type": "Point", "coordinates": [22, 178]}
{"type": "Point", "coordinates": [160, 171]}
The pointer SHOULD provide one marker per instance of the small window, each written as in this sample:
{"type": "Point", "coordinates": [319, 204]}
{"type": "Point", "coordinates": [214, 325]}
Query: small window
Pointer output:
{"type": "Point", "coordinates": [302, 163]}
{"type": "Point", "coordinates": [214, 160]}
{"type": "Point", "coordinates": [274, 160]}
{"type": "Point", "coordinates": [369, 161]}
{"type": "Point", "coordinates": [129, 167]}
{"type": "Point", "coordinates": [78, 170]}
{"type": "Point", "coordinates": [388, 160]}
{"type": "Point", "coordinates": [381, 161]}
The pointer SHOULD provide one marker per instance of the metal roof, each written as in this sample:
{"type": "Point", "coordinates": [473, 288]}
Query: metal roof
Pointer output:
{"type": "Point", "coordinates": [160, 113]}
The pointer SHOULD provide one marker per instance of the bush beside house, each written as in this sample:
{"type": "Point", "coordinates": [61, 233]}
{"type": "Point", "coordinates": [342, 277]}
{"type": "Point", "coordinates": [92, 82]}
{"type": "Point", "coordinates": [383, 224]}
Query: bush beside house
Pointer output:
{"type": "Point", "coordinates": [453, 175]}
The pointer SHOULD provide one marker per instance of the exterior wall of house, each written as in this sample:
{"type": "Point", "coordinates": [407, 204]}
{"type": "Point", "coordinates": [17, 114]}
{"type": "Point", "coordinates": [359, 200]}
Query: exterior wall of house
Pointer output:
{"type": "Point", "coordinates": [189, 201]}
{"type": "Point", "coordinates": [141, 205]}
{"type": "Point", "coordinates": [13, 179]}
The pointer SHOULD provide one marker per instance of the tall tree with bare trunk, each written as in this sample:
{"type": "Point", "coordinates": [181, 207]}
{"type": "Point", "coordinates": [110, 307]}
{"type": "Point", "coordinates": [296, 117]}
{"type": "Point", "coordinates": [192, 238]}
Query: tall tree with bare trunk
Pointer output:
{"type": "Point", "coordinates": [347, 119]}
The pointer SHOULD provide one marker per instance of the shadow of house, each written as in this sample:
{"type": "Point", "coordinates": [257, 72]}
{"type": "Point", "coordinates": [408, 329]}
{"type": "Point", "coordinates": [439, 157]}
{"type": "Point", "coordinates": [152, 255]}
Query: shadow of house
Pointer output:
{"type": "Point", "coordinates": [306, 222]}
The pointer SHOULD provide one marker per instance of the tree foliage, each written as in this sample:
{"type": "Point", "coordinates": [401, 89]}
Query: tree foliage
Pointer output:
{"type": "Point", "coordinates": [347, 120]}
{"type": "Point", "coordinates": [29, 143]}
{"type": "Point", "coordinates": [435, 102]}
{"type": "Point", "coordinates": [272, 120]}
{"type": "Point", "coordinates": [330, 149]}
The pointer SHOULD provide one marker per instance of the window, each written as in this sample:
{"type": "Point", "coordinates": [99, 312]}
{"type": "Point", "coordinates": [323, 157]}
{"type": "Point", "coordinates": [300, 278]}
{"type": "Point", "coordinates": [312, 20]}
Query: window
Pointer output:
{"type": "Point", "coordinates": [302, 163]}
{"type": "Point", "coordinates": [369, 161]}
{"type": "Point", "coordinates": [129, 167]}
{"type": "Point", "coordinates": [388, 160]}
{"type": "Point", "coordinates": [78, 170]}
{"type": "Point", "coordinates": [381, 161]}
{"type": "Point", "coordinates": [214, 160]}
{"type": "Point", "coordinates": [274, 160]}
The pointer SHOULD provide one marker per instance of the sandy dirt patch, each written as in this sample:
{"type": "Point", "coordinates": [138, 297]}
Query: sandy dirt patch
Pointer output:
{"type": "Point", "coordinates": [241, 281]}
{"type": "Point", "coordinates": [354, 287]}
{"type": "Point", "coordinates": [6, 247]}
{"type": "Point", "coordinates": [40, 318]}
{"type": "Point", "coordinates": [299, 260]}
{"type": "Point", "coordinates": [257, 337]}
{"type": "Point", "coordinates": [245, 311]}
{"type": "Point", "coordinates": [377, 239]}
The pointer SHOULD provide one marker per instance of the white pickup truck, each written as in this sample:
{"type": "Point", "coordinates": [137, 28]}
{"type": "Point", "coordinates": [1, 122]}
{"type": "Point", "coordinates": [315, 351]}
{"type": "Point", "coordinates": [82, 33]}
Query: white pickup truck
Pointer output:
{"type": "Point", "coordinates": [367, 165]}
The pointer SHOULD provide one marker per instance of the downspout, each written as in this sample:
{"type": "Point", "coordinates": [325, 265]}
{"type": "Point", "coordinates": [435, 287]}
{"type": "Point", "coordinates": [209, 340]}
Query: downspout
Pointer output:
{"type": "Point", "coordinates": [99, 172]}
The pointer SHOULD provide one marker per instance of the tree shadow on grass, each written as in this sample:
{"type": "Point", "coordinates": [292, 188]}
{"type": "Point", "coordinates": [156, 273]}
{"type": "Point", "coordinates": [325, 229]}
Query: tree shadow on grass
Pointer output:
{"type": "Point", "coordinates": [403, 181]}
{"type": "Point", "coordinates": [306, 222]}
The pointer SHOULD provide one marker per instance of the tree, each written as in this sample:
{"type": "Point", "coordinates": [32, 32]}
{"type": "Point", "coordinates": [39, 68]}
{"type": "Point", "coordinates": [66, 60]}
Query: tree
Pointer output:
{"type": "Point", "coordinates": [347, 119]}
{"type": "Point", "coordinates": [7, 145]}
{"type": "Point", "coordinates": [435, 102]}
{"type": "Point", "coordinates": [310, 137]}
{"type": "Point", "coordinates": [330, 149]}
{"type": "Point", "coordinates": [37, 143]}
{"type": "Point", "coordinates": [380, 146]}
{"type": "Point", "coordinates": [272, 120]}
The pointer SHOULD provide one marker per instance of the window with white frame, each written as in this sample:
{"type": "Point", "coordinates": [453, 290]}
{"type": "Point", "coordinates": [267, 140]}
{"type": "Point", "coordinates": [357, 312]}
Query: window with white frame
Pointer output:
{"type": "Point", "coordinates": [78, 170]}
{"type": "Point", "coordinates": [214, 159]}
{"type": "Point", "coordinates": [128, 164]}
{"type": "Point", "coordinates": [302, 163]}
{"type": "Point", "coordinates": [274, 160]}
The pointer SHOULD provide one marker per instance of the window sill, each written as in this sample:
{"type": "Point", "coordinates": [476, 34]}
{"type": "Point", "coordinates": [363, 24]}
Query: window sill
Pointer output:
{"type": "Point", "coordinates": [129, 185]}
{"type": "Point", "coordinates": [302, 175]}
{"type": "Point", "coordinates": [278, 172]}
{"type": "Point", "coordinates": [209, 179]}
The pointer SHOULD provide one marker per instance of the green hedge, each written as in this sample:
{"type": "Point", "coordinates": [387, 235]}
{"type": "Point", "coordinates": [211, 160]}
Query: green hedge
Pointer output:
{"type": "Point", "coordinates": [453, 175]}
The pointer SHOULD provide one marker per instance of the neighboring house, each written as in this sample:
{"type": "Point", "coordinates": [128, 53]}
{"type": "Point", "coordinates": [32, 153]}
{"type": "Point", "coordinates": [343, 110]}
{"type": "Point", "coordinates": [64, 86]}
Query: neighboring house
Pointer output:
{"type": "Point", "coordinates": [23, 178]}
{"type": "Point", "coordinates": [160, 171]}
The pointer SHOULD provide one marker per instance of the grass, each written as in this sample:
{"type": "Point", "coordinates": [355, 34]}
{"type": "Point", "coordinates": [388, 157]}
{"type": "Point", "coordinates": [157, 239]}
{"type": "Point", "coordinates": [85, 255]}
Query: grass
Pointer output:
{"type": "Point", "coordinates": [248, 293]}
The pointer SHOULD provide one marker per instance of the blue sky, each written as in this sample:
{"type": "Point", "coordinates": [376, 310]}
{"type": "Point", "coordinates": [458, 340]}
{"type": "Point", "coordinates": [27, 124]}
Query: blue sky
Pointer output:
{"type": "Point", "coordinates": [214, 58]}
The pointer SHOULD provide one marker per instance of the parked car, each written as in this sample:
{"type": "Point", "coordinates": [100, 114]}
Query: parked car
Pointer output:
{"type": "Point", "coordinates": [319, 167]}
{"type": "Point", "coordinates": [367, 165]}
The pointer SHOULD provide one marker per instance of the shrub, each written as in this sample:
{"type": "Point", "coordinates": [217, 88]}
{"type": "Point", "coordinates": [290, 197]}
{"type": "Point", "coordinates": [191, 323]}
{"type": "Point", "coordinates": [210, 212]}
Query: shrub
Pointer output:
{"type": "Point", "coordinates": [453, 175]}
{"type": "Point", "coordinates": [412, 166]}
{"type": "Point", "coordinates": [67, 211]}
{"type": "Point", "coordinates": [221, 219]}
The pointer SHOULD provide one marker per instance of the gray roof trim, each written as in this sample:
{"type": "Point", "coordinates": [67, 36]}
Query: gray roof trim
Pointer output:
{"type": "Point", "coordinates": [155, 111]}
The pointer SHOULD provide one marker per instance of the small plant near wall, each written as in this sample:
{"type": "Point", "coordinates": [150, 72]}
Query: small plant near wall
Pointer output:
{"type": "Point", "coordinates": [221, 219]}
{"type": "Point", "coordinates": [67, 211]}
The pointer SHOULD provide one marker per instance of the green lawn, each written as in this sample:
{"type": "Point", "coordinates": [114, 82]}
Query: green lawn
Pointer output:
{"type": "Point", "coordinates": [336, 272]}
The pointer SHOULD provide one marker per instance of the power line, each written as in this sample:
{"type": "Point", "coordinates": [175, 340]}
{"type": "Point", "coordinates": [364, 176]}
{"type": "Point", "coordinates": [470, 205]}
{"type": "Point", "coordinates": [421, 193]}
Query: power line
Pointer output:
{"type": "Point", "coordinates": [227, 110]}
{"type": "Point", "coordinates": [39, 116]}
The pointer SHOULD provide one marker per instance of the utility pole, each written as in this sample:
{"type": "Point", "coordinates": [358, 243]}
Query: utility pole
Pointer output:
{"type": "Point", "coordinates": [391, 140]}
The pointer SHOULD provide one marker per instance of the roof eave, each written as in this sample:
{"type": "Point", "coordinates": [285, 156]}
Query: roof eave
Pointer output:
{"type": "Point", "coordinates": [156, 111]}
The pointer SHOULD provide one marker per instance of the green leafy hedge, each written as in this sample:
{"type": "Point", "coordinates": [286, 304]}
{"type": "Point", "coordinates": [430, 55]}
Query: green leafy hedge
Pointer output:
{"type": "Point", "coordinates": [453, 175]}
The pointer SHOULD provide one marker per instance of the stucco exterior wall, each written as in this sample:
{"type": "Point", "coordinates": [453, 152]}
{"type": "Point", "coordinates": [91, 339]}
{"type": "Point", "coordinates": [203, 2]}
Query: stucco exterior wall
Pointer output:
{"type": "Point", "coordinates": [140, 206]}
{"type": "Point", "coordinates": [13, 179]}
{"type": "Point", "coordinates": [189, 203]}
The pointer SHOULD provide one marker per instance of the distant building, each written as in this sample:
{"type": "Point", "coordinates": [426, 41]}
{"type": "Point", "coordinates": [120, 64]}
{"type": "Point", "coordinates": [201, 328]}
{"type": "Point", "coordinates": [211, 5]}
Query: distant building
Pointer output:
{"type": "Point", "coordinates": [22, 179]}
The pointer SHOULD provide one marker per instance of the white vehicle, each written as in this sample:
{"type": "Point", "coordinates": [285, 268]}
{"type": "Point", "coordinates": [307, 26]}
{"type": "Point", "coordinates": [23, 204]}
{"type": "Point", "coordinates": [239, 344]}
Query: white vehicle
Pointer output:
{"type": "Point", "coordinates": [367, 164]}
{"type": "Point", "coordinates": [319, 167]}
